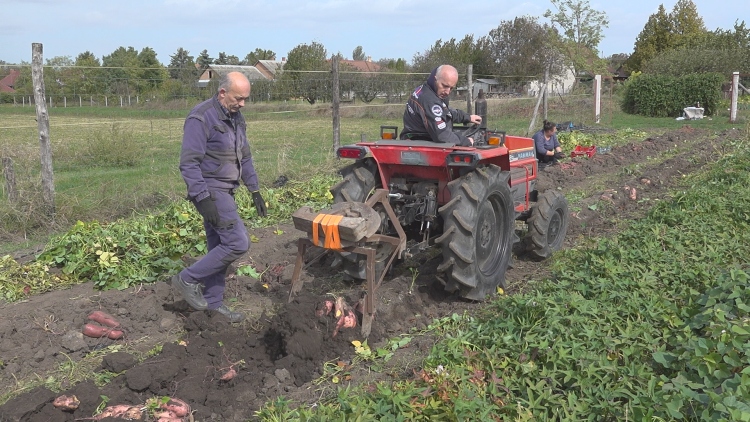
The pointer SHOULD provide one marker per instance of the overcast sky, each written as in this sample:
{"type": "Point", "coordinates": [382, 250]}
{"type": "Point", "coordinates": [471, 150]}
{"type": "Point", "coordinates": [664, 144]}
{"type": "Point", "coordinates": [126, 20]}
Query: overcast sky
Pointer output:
{"type": "Point", "coordinates": [384, 28]}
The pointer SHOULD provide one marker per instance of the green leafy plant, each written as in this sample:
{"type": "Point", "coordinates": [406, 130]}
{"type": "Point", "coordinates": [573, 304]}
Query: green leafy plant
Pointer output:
{"type": "Point", "coordinates": [102, 404]}
{"type": "Point", "coordinates": [414, 275]}
{"type": "Point", "coordinates": [249, 271]}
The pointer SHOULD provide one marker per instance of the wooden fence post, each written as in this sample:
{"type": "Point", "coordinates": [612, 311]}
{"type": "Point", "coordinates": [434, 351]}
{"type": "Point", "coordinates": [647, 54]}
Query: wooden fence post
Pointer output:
{"type": "Point", "coordinates": [336, 104]}
{"type": "Point", "coordinates": [42, 118]}
{"type": "Point", "coordinates": [733, 102]}
{"type": "Point", "coordinates": [11, 192]}
{"type": "Point", "coordinates": [469, 88]}
{"type": "Point", "coordinates": [597, 98]}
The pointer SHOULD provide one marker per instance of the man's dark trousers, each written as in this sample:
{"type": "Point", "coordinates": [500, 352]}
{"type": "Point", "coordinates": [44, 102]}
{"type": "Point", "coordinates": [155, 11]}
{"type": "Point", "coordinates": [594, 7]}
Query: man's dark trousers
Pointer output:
{"type": "Point", "coordinates": [227, 241]}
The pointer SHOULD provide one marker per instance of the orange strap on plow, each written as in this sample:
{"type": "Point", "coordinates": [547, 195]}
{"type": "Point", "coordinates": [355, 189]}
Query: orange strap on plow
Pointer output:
{"type": "Point", "coordinates": [330, 226]}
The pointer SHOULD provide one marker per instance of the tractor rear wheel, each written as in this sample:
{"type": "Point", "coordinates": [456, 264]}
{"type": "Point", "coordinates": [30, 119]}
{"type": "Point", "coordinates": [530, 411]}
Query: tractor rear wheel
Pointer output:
{"type": "Point", "coordinates": [359, 180]}
{"type": "Point", "coordinates": [547, 225]}
{"type": "Point", "coordinates": [478, 232]}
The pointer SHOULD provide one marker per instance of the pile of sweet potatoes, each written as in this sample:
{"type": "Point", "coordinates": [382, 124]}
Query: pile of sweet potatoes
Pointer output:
{"type": "Point", "coordinates": [168, 409]}
{"type": "Point", "coordinates": [107, 326]}
{"type": "Point", "coordinates": [345, 315]}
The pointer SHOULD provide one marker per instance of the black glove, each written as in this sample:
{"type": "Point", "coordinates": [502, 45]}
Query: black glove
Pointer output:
{"type": "Point", "coordinates": [207, 208]}
{"type": "Point", "coordinates": [559, 155]}
{"type": "Point", "coordinates": [260, 204]}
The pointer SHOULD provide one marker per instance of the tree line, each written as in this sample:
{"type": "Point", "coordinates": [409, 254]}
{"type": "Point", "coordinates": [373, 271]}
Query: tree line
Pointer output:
{"type": "Point", "coordinates": [523, 48]}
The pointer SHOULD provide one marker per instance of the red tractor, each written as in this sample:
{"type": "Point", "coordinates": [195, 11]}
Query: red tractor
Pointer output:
{"type": "Point", "coordinates": [466, 200]}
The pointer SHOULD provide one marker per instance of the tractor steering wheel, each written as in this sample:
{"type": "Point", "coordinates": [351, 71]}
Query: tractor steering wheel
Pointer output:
{"type": "Point", "coordinates": [472, 130]}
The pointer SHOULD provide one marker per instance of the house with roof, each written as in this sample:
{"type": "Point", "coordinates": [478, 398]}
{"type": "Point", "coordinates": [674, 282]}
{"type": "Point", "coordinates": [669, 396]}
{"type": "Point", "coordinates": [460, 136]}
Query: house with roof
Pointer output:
{"type": "Point", "coordinates": [8, 83]}
{"type": "Point", "coordinates": [270, 68]}
{"type": "Point", "coordinates": [560, 84]}
{"type": "Point", "coordinates": [216, 71]}
{"type": "Point", "coordinates": [361, 65]}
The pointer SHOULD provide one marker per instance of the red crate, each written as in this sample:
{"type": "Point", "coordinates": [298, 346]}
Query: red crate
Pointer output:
{"type": "Point", "coordinates": [581, 151]}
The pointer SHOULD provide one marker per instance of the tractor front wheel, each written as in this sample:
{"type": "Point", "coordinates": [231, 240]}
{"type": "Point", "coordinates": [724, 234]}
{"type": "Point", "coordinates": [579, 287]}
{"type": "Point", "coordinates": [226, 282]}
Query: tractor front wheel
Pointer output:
{"type": "Point", "coordinates": [548, 225]}
{"type": "Point", "coordinates": [478, 232]}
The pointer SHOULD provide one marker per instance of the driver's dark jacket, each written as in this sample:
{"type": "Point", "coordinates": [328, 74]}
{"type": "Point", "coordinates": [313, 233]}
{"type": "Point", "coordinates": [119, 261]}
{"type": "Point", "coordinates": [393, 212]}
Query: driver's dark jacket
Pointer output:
{"type": "Point", "coordinates": [428, 117]}
{"type": "Point", "coordinates": [215, 151]}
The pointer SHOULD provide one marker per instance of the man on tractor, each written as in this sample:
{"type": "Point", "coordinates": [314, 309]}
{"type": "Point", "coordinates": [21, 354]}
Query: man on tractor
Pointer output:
{"type": "Point", "coordinates": [428, 116]}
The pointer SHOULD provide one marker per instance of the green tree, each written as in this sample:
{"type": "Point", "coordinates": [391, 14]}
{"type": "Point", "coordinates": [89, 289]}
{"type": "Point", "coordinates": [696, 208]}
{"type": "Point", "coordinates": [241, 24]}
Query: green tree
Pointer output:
{"type": "Point", "coordinates": [457, 53]}
{"type": "Point", "coordinates": [258, 54]}
{"type": "Point", "coordinates": [685, 61]}
{"type": "Point", "coordinates": [304, 72]}
{"type": "Point", "coordinates": [182, 66]}
{"type": "Point", "coordinates": [521, 47]}
{"type": "Point", "coordinates": [655, 37]}
{"type": "Point", "coordinates": [581, 32]}
{"type": "Point", "coordinates": [358, 53]}
{"type": "Point", "coordinates": [57, 75]}
{"type": "Point", "coordinates": [396, 65]}
{"type": "Point", "coordinates": [736, 39]}
{"type": "Point", "coordinates": [152, 72]}
{"type": "Point", "coordinates": [687, 25]}
{"type": "Point", "coordinates": [122, 71]}
{"type": "Point", "coordinates": [88, 74]}
{"type": "Point", "coordinates": [225, 59]}
{"type": "Point", "coordinates": [204, 60]}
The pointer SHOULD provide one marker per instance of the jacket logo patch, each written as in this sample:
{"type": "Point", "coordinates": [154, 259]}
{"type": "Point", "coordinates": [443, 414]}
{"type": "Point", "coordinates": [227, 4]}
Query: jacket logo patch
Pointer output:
{"type": "Point", "coordinates": [411, 110]}
{"type": "Point", "coordinates": [441, 125]}
{"type": "Point", "coordinates": [416, 92]}
{"type": "Point", "coordinates": [437, 110]}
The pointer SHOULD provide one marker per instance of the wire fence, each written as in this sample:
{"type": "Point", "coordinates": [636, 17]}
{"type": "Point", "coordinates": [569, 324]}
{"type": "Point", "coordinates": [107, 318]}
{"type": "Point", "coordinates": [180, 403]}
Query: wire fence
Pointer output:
{"type": "Point", "coordinates": [78, 86]}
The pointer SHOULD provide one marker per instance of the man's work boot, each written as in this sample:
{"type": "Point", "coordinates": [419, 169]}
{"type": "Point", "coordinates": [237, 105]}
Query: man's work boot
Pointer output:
{"type": "Point", "coordinates": [192, 293]}
{"type": "Point", "coordinates": [232, 316]}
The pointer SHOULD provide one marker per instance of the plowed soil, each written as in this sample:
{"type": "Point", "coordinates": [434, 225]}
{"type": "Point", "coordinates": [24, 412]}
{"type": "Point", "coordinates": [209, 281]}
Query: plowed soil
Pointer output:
{"type": "Point", "coordinates": [283, 348]}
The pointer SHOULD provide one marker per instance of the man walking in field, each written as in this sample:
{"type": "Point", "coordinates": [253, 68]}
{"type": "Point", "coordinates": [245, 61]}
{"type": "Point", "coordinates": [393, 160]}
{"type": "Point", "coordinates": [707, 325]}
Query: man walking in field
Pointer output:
{"type": "Point", "coordinates": [215, 157]}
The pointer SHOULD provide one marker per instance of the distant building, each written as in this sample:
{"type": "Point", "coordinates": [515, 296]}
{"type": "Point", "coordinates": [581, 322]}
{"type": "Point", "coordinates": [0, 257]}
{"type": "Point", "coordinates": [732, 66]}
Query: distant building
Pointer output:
{"type": "Point", "coordinates": [270, 68]}
{"type": "Point", "coordinates": [216, 71]}
{"type": "Point", "coordinates": [559, 84]}
{"type": "Point", "coordinates": [361, 65]}
{"type": "Point", "coordinates": [8, 83]}
{"type": "Point", "coordinates": [619, 74]}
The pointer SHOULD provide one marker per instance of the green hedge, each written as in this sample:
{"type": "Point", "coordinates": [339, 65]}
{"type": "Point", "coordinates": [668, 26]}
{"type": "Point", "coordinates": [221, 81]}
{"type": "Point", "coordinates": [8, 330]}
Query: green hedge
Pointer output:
{"type": "Point", "coordinates": [667, 96]}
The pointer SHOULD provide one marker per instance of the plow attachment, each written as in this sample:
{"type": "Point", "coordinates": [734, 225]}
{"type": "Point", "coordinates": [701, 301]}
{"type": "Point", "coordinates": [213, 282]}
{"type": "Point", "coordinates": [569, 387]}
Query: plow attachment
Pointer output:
{"type": "Point", "coordinates": [351, 227]}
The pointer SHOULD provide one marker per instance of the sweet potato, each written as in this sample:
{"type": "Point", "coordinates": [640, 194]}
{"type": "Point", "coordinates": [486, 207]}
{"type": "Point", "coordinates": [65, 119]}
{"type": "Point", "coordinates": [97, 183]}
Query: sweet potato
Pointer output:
{"type": "Point", "coordinates": [66, 402]}
{"type": "Point", "coordinates": [167, 416]}
{"type": "Point", "coordinates": [345, 314]}
{"type": "Point", "coordinates": [177, 407]}
{"type": "Point", "coordinates": [104, 318]}
{"type": "Point", "coordinates": [124, 411]}
{"type": "Point", "coordinates": [229, 375]}
{"type": "Point", "coordinates": [96, 331]}
{"type": "Point", "coordinates": [324, 308]}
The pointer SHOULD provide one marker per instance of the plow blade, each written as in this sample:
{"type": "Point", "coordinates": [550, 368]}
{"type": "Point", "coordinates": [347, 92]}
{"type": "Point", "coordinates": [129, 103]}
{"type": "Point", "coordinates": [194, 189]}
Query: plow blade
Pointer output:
{"type": "Point", "coordinates": [350, 227]}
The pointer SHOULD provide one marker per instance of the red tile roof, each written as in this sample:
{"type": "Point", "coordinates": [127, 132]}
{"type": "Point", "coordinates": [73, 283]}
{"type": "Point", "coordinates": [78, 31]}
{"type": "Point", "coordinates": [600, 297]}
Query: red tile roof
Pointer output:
{"type": "Point", "coordinates": [9, 81]}
{"type": "Point", "coordinates": [362, 65]}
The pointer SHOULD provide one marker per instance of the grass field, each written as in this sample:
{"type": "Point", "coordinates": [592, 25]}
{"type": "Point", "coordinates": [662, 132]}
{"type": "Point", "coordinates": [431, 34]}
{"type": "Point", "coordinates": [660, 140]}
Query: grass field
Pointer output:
{"type": "Point", "coordinates": [109, 162]}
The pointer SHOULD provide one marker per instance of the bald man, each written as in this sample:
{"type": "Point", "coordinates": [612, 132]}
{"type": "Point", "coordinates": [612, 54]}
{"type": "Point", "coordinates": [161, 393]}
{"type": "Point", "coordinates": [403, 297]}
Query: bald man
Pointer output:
{"type": "Point", "coordinates": [215, 158]}
{"type": "Point", "coordinates": [428, 116]}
